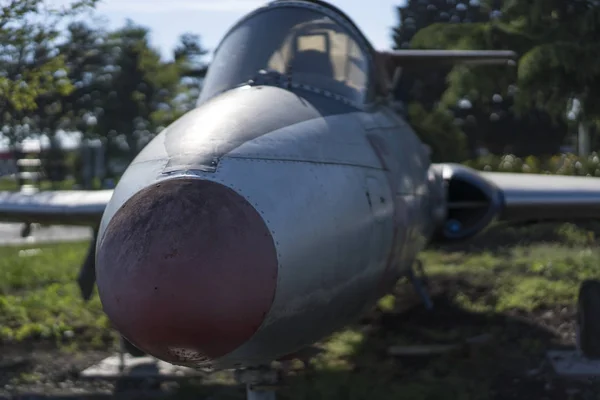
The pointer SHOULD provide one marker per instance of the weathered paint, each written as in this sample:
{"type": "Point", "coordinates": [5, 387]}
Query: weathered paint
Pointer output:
{"type": "Point", "coordinates": [187, 270]}
{"type": "Point", "coordinates": [321, 221]}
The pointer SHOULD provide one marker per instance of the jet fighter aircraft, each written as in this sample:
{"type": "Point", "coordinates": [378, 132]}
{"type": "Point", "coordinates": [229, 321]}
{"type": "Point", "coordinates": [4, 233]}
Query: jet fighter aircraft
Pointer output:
{"type": "Point", "coordinates": [289, 200]}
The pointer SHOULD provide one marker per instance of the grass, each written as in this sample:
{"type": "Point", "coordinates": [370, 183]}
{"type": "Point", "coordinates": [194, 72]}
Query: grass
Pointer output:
{"type": "Point", "coordinates": [503, 283]}
{"type": "Point", "coordinates": [10, 184]}
{"type": "Point", "coordinates": [39, 297]}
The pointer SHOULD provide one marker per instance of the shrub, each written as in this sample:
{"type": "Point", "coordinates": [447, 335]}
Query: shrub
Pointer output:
{"type": "Point", "coordinates": [563, 164]}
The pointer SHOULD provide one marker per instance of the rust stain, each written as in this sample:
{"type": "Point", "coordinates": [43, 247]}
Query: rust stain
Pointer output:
{"type": "Point", "coordinates": [210, 253]}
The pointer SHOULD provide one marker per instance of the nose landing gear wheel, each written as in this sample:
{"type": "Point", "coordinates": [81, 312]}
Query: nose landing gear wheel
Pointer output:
{"type": "Point", "coordinates": [588, 319]}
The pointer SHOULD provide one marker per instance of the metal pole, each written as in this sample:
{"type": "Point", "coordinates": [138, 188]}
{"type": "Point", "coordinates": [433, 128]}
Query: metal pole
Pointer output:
{"type": "Point", "coordinates": [261, 382]}
{"type": "Point", "coordinates": [583, 139]}
{"type": "Point", "coordinates": [253, 393]}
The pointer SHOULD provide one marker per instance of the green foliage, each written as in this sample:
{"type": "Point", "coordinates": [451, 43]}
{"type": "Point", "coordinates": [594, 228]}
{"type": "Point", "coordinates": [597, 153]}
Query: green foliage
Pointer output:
{"type": "Point", "coordinates": [438, 130]}
{"type": "Point", "coordinates": [31, 68]}
{"type": "Point", "coordinates": [131, 92]}
{"type": "Point", "coordinates": [482, 99]}
{"type": "Point", "coordinates": [108, 85]}
{"type": "Point", "coordinates": [543, 272]}
{"type": "Point", "coordinates": [39, 298]}
{"type": "Point", "coordinates": [556, 40]}
{"type": "Point", "coordinates": [563, 164]}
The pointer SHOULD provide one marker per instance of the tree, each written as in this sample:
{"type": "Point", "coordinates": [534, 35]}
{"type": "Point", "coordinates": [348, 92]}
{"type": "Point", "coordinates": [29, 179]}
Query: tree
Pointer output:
{"type": "Point", "coordinates": [189, 57]}
{"type": "Point", "coordinates": [556, 41]}
{"type": "Point", "coordinates": [490, 118]}
{"type": "Point", "coordinates": [89, 68]}
{"type": "Point", "coordinates": [30, 64]}
{"type": "Point", "coordinates": [421, 90]}
{"type": "Point", "coordinates": [438, 130]}
{"type": "Point", "coordinates": [144, 93]}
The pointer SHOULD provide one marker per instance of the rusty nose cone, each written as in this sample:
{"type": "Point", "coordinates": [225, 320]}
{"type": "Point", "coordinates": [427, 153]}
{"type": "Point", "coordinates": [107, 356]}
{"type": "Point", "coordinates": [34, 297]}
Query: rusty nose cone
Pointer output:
{"type": "Point", "coordinates": [187, 270]}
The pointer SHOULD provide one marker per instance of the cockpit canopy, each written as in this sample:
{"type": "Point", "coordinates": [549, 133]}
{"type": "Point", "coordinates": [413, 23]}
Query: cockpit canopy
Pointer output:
{"type": "Point", "coordinates": [306, 45]}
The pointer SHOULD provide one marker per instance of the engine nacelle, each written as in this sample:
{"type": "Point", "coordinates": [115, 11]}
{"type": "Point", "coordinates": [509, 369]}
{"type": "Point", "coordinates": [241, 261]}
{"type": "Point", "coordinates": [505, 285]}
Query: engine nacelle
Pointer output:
{"type": "Point", "coordinates": [471, 202]}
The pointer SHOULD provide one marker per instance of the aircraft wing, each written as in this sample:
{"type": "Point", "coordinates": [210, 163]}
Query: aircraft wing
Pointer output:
{"type": "Point", "coordinates": [60, 207]}
{"type": "Point", "coordinates": [533, 197]}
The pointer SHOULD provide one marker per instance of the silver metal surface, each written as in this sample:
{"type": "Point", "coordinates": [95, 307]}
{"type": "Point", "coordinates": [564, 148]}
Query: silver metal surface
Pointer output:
{"type": "Point", "coordinates": [328, 272]}
{"type": "Point", "coordinates": [67, 207]}
{"type": "Point", "coordinates": [547, 197]}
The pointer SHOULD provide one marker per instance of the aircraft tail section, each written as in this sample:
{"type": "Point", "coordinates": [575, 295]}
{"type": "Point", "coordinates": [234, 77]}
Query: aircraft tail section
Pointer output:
{"type": "Point", "coordinates": [439, 58]}
{"type": "Point", "coordinates": [393, 63]}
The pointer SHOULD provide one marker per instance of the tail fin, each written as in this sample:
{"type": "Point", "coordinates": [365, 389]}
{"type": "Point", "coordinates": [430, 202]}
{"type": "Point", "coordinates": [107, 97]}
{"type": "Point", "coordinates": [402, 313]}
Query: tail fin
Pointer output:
{"type": "Point", "coordinates": [394, 62]}
{"type": "Point", "coordinates": [437, 58]}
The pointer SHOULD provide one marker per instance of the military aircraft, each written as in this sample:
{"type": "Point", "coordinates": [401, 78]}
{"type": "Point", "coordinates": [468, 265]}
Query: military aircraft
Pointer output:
{"type": "Point", "coordinates": [289, 200]}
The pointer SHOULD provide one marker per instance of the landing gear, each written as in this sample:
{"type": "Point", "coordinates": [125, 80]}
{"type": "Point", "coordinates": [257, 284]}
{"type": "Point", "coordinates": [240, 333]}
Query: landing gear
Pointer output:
{"type": "Point", "coordinates": [419, 280]}
{"type": "Point", "coordinates": [26, 230]}
{"type": "Point", "coordinates": [126, 347]}
{"type": "Point", "coordinates": [588, 319]}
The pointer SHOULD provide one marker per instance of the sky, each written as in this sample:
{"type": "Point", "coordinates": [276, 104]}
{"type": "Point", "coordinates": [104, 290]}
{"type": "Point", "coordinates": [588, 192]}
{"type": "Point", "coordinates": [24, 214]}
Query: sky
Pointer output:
{"type": "Point", "coordinates": [167, 19]}
{"type": "Point", "coordinates": [211, 19]}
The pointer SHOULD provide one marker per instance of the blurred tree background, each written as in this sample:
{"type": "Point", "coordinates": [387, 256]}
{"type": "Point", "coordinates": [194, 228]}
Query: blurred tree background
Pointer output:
{"type": "Point", "coordinates": [62, 71]}
{"type": "Point", "coordinates": [495, 109]}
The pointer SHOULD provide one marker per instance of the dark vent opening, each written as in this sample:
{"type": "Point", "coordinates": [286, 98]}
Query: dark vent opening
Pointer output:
{"type": "Point", "coordinates": [461, 191]}
{"type": "Point", "coordinates": [467, 204]}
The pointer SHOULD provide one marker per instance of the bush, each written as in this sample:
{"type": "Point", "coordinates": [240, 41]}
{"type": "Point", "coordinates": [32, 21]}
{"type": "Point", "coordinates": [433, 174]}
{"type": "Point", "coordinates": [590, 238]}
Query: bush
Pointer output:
{"type": "Point", "coordinates": [563, 164]}
{"type": "Point", "coordinates": [437, 129]}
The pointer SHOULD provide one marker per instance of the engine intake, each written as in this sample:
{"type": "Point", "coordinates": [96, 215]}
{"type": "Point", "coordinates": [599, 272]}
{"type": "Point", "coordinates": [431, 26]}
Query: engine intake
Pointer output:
{"type": "Point", "coordinates": [472, 203]}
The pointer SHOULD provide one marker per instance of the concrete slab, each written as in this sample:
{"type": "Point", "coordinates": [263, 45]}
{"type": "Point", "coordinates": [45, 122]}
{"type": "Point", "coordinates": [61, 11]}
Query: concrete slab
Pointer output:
{"type": "Point", "coordinates": [138, 368]}
{"type": "Point", "coordinates": [572, 364]}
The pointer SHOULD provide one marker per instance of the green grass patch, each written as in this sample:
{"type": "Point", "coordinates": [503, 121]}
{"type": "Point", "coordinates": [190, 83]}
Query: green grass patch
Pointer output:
{"type": "Point", "coordinates": [10, 184]}
{"type": "Point", "coordinates": [526, 278]}
{"type": "Point", "coordinates": [39, 297]}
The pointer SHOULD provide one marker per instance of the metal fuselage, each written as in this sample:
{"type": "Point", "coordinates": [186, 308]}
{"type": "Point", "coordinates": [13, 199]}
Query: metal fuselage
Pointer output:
{"type": "Point", "coordinates": [344, 196]}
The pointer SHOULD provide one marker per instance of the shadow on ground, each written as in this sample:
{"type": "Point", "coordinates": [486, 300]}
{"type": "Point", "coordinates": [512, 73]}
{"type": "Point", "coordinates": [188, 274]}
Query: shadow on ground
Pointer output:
{"type": "Point", "coordinates": [511, 365]}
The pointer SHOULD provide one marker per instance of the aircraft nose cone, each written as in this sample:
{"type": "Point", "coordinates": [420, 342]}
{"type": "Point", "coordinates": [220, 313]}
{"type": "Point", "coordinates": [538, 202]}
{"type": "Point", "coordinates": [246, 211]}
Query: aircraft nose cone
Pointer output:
{"type": "Point", "coordinates": [187, 270]}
